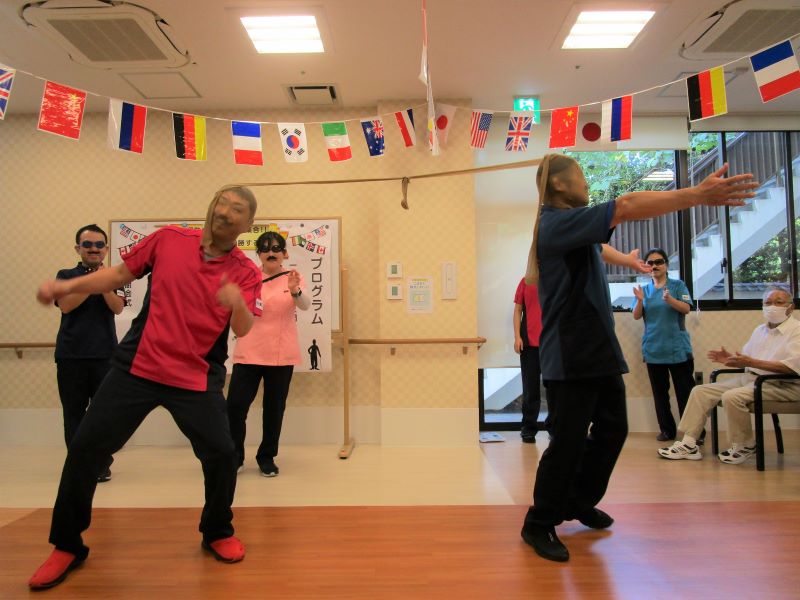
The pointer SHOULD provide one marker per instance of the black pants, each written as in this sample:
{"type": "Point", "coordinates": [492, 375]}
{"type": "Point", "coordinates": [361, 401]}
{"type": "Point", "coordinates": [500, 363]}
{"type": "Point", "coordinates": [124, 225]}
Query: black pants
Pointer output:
{"type": "Point", "coordinates": [531, 372]}
{"type": "Point", "coordinates": [682, 379]}
{"type": "Point", "coordinates": [241, 393]}
{"type": "Point", "coordinates": [78, 381]}
{"type": "Point", "coordinates": [575, 469]}
{"type": "Point", "coordinates": [116, 411]}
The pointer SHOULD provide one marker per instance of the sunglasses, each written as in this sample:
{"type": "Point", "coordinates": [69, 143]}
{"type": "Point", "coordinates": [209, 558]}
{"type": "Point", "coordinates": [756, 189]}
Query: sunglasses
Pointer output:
{"type": "Point", "coordinates": [87, 244]}
{"type": "Point", "coordinates": [276, 248]}
{"type": "Point", "coordinates": [656, 263]}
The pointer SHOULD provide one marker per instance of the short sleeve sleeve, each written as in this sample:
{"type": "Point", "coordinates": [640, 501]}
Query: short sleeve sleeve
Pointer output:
{"type": "Point", "coordinates": [519, 295]}
{"type": "Point", "coordinates": [251, 292]}
{"type": "Point", "coordinates": [682, 293]}
{"type": "Point", "coordinates": [141, 258]}
{"type": "Point", "coordinates": [563, 230]}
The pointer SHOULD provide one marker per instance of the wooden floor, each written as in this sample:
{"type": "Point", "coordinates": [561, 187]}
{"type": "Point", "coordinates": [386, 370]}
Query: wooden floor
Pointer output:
{"type": "Point", "coordinates": [683, 529]}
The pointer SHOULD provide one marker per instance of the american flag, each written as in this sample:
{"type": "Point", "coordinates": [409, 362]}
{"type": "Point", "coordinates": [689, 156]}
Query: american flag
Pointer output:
{"type": "Point", "coordinates": [479, 128]}
{"type": "Point", "coordinates": [6, 80]}
{"type": "Point", "coordinates": [519, 130]}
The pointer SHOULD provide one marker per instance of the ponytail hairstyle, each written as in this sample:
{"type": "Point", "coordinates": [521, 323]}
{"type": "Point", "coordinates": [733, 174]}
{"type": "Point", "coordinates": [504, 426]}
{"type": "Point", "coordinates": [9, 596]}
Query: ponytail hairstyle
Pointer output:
{"type": "Point", "coordinates": [552, 165]}
{"type": "Point", "coordinates": [243, 192]}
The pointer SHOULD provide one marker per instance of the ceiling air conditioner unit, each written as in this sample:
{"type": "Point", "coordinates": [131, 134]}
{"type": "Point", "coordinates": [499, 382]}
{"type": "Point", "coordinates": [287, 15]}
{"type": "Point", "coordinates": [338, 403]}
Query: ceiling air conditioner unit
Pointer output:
{"type": "Point", "coordinates": [740, 28]}
{"type": "Point", "coordinates": [107, 35]}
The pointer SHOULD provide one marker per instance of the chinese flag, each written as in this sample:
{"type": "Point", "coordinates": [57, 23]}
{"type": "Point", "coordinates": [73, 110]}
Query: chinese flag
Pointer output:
{"type": "Point", "coordinates": [563, 127]}
{"type": "Point", "coordinates": [62, 110]}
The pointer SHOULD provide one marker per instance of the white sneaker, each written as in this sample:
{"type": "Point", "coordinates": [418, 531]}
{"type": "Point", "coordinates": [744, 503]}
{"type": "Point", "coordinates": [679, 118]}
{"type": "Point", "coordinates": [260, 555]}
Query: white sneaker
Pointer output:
{"type": "Point", "coordinates": [736, 454]}
{"type": "Point", "coordinates": [679, 450]}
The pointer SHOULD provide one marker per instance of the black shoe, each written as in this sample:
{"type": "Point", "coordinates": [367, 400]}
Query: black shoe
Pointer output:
{"type": "Point", "coordinates": [665, 437]}
{"type": "Point", "coordinates": [104, 476]}
{"type": "Point", "coordinates": [595, 518]}
{"type": "Point", "coordinates": [269, 468]}
{"type": "Point", "coordinates": [546, 543]}
{"type": "Point", "coordinates": [528, 435]}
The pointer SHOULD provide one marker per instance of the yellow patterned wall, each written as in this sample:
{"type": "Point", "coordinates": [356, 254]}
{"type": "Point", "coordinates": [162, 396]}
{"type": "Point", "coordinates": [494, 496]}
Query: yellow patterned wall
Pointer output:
{"type": "Point", "coordinates": [53, 185]}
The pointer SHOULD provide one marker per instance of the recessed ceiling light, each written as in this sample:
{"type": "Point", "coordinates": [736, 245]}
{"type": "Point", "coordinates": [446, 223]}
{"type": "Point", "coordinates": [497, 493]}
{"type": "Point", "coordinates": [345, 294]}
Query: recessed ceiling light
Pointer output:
{"type": "Point", "coordinates": [284, 35]}
{"type": "Point", "coordinates": [606, 29]}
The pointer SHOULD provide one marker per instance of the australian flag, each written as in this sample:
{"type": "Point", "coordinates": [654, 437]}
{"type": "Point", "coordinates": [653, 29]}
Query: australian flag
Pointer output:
{"type": "Point", "coordinates": [373, 133]}
{"type": "Point", "coordinates": [6, 80]}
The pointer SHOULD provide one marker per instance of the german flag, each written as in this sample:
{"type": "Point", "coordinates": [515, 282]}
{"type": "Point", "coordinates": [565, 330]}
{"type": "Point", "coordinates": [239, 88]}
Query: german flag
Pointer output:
{"type": "Point", "coordinates": [190, 136]}
{"type": "Point", "coordinates": [706, 93]}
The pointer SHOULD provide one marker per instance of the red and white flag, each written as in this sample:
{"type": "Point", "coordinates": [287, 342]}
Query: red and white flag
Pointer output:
{"type": "Point", "coordinates": [62, 110]}
{"type": "Point", "coordinates": [405, 121]}
{"type": "Point", "coordinates": [444, 119]}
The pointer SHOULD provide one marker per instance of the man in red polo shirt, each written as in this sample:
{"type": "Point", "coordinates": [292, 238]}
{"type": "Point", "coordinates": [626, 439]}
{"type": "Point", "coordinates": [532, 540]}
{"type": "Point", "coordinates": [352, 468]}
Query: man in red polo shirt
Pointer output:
{"type": "Point", "coordinates": [200, 285]}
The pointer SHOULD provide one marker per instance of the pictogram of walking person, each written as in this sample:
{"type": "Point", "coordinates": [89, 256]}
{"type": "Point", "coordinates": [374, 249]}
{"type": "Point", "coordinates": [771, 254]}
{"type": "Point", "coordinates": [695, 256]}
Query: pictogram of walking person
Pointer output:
{"type": "Point", "coordinates": [315, 355]}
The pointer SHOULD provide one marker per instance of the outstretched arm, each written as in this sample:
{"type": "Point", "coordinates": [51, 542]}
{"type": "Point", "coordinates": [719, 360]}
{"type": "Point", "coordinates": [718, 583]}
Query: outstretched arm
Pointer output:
{"type": "Point", "coordinates": [714, 190]}
{"type": "Point", "coordinates": [99, 282]}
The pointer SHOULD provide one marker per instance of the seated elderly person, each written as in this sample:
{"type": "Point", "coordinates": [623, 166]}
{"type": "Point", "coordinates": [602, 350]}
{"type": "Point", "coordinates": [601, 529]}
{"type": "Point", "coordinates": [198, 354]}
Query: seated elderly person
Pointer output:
{"type": "Point", "coordinates": [774, 347]}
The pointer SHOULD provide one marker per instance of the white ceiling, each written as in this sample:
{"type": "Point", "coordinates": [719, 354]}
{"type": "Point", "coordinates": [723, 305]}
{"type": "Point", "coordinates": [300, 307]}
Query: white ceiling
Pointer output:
{"type": "Point", "coordinates": [485, 50]}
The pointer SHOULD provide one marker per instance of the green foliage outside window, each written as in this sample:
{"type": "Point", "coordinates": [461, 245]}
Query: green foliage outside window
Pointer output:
{"type": "Point", "coordinates": [611, 174]}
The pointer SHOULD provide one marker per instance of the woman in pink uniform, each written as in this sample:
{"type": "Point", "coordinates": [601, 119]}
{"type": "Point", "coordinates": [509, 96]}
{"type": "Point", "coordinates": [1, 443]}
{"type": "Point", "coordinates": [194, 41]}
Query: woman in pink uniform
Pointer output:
{"type": "Point", "coordinates": [269, 352]}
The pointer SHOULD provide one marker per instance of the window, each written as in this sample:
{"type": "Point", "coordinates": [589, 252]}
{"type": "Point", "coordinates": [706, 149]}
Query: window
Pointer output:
{"type": "Point", "coordinates": [611, 174]}
{"type": "Point", "coordinates": [737, 252]}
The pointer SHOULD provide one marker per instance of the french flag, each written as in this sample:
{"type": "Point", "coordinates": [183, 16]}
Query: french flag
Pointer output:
{"type": "Point", "coordinates": [405, 121]}
{"type": "Point", "coordinates": [246, 143]}
{"type": "Point", "coordinates": [126, 123]}
{"type": "Point", "coordinates": [776, 71]}
{"type": "Point", "coordinates": [617, 118]}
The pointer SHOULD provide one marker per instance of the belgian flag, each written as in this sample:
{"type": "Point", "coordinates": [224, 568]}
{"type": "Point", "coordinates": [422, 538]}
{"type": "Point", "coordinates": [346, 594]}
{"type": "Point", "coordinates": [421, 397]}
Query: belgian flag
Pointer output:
{"type": "Point", "coordinates": [706, 93]}
{"type": "Point", "coordinates": [190, 136]}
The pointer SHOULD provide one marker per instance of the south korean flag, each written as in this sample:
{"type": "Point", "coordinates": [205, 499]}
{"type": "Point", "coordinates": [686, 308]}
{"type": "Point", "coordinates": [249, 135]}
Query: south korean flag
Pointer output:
{"type": "Point", "coordinates": [293, 139]}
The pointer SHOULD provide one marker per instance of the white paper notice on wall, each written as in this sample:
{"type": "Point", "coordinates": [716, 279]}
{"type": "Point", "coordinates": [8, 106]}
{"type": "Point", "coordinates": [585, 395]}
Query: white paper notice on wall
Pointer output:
{"type": "Point", "coordinates": [420, 295]}
{"type": "Point", "coordinates": [449, 283]}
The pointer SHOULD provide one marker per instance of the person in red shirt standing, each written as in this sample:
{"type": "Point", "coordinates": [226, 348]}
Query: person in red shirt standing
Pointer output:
{"type": "Point", "coordinates": [268, 352]}
{"type": "Point", "coordinates": [200, 285]}
{"type": "Point", "coordinates": [527, 328]}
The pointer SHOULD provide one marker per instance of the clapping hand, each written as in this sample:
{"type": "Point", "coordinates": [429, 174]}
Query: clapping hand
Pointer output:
{"type": "Point", "coordinates": [639, 293]}
{"type": "Point", "coordinates": [719, 356]}
{"type": "Point", "coordinates": [293, 281]}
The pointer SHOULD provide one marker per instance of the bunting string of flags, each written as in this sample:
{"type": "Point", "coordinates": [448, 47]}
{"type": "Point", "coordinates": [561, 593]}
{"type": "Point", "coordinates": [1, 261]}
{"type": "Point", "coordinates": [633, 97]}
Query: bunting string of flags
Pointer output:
{"type": "Point", "coordinates": [775, 69]}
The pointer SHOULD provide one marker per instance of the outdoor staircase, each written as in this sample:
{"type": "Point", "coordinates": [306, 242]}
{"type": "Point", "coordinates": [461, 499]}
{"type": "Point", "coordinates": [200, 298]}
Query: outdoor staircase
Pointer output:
{"type": "Point", "coordinates": [752, 226]}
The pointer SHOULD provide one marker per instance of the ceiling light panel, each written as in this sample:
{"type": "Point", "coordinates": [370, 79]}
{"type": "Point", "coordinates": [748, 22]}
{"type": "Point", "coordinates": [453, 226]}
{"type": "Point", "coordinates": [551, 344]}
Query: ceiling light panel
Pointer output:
{"type": "Point", "coordinates": [284, 34]}
{"type": "Point", "coordinates": [606, 29]}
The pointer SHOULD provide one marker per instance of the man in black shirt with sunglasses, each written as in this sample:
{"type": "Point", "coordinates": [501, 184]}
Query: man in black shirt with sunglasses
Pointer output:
{"type": "Point", "coordinates": [86, 336]}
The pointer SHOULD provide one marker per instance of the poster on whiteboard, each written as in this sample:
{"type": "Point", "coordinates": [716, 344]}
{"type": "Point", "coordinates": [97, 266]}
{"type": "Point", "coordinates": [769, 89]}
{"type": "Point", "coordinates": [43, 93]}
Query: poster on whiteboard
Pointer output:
{"type": "Point", "coordinates": [313, 249]}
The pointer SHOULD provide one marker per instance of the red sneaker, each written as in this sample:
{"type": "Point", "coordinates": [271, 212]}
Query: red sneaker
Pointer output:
{"type": "Point", "coordinates": [54, 570]}
{"type": "Point", "coordinates": [229, 549]}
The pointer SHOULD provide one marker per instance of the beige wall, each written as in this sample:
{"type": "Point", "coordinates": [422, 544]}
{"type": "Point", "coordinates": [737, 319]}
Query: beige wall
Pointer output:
{"type": "Point", "coordinates": [52, 186]}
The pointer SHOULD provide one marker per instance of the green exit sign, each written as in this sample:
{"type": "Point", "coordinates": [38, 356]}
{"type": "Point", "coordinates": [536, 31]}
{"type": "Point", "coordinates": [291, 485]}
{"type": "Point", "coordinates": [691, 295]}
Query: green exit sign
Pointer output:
{"type": "Point", "coordinates": [527, 103]}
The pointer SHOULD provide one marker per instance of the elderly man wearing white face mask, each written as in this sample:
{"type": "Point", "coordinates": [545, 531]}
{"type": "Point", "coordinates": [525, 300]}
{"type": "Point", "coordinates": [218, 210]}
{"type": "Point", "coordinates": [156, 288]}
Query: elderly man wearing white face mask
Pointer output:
{"type": "Point", "coordinates": [774, 347]}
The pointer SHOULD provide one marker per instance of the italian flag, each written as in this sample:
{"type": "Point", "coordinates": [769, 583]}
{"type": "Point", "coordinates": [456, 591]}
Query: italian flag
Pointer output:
{"type": "Point", "coordinates": [337, 142]}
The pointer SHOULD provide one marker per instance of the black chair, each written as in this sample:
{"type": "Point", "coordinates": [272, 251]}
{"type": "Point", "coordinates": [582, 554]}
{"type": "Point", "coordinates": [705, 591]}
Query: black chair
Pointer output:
{"type": "Point", "coordinates": [759, 407]}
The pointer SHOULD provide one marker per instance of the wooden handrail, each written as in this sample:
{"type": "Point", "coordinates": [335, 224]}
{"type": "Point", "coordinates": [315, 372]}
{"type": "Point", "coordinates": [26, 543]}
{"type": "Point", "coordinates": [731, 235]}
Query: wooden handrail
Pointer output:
{"type": "Point", "coordinates": [17, 347]}
{"type": "Point", "coordinates": [463, 342]}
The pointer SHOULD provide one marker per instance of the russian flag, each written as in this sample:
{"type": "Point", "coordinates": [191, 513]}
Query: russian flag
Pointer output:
{"type": "Point", "coordinates": [246, 143]}
{"type": "Point", "coordinates": [776, 71]}
{"type": "Point", "coordinates": [405, 121]}
{"type": "Point", "coordinates": [126, 123]}
{"type": "Point", "coordinates": [617, 119]}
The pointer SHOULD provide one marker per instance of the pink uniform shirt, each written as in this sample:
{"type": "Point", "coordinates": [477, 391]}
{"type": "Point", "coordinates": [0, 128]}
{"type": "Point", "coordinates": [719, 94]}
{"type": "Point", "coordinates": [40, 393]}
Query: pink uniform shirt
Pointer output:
{"type": "Point", "coordinates": [273, 339]}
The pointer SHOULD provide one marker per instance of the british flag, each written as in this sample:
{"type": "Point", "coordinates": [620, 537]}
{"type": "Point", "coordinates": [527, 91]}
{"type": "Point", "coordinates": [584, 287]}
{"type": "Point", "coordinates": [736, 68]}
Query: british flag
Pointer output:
{"type": "Point", "coordinates": [6, 80]}
{"type": "Point", "coordinates": [479, 128]}
{"type": "Point", "coordinates": [519, 130]}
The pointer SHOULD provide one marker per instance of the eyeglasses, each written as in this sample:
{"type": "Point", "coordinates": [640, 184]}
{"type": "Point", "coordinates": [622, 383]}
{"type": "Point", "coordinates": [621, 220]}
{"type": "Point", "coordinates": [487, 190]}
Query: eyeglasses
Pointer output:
{"type": "Point", "coordinates": [656, 262]}
{"type": "Point", "coordinates": [87, 244]}
{"type": "Point", "coordinates": [274, 248]}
